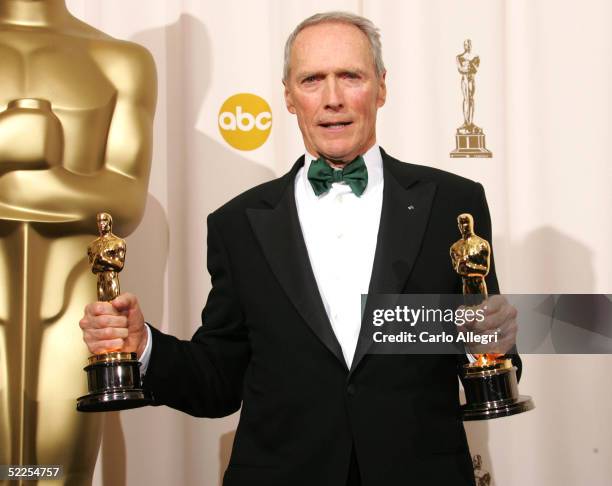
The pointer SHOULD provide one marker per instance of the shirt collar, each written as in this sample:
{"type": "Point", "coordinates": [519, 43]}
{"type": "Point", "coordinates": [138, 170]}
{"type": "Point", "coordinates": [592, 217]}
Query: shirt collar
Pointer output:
{"type": "Point", "coordinates": [373, 161]}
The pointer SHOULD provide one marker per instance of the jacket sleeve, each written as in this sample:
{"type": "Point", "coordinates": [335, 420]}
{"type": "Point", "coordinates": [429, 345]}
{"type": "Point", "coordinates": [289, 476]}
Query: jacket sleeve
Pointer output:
{"type": "Point", "coordinates": [203, 377]}
{"type": "Point", "coordinates": [482, 227]}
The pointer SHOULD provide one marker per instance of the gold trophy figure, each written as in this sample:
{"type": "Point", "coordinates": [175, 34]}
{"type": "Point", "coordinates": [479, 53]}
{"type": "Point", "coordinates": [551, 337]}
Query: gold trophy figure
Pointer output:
{"type": "Point", "coordinates": [470, 139]}
{"type": "Point", "coordinates": [113, 377]}
{"type": "Point", "coordinates": [107, 257]}
{"type": "Point", "coordinates": [471, 257]}
{"type": "Point", "coordinates": [467, 65]}
{"type": "Point", "coordinates": [490, 383]}
{"type": "Point", "coordinates": [76, 124]}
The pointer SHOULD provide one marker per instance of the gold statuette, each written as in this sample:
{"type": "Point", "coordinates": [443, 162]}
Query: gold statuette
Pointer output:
{"type": "Point", "coordinates": [469, 139]}
{"type": "Point", "coordinates": [106, 256]}
{"type": "Point", "coordinates": [113, 377]}
{"type": "Point", "coordinates": [490, 383]}
{"type": "Point", "coordinates": [471, 258]}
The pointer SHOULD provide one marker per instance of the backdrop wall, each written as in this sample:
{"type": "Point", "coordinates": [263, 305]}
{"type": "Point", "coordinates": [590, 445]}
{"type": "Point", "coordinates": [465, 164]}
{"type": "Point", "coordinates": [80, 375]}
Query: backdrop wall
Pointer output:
{"type": "Point", "coordinates": [543, 98]}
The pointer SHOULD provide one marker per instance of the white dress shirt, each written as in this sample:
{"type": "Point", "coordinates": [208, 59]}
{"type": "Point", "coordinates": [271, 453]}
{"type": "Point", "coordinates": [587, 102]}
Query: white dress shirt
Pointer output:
{"type": "Point", "coordinates": [340, 231]}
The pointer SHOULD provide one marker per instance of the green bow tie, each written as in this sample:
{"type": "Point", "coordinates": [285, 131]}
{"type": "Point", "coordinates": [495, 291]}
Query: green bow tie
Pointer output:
{"type": "Point", "coordinates": [321, 176]}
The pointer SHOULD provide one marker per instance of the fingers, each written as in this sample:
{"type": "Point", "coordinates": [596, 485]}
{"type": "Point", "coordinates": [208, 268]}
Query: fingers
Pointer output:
{"type": "Point", "coordinates": [99, 322]}
{"type": "Point", "coordinates": [125, 302]}
{"type": "Point", "coordinates": [103, 334]}
{"type": "Point", "coordinates": [500, 320]}
{"type": "Point", "coordinates": [105, 339]}
{"type": "Point", "coordinates": [494, 304]}
{"type": "Point", "coordinates": [499, 323]}
{"type": "Point", "coordinates": [470, 316]}
{"type": "Point", "coordinates": [100, 309]}
{"type": "Point", "coordinates": [498, 314]}
{"type": "Point", "coordinates": [487, 315]}
{"type": "Point", "coordinates": [108, 333]}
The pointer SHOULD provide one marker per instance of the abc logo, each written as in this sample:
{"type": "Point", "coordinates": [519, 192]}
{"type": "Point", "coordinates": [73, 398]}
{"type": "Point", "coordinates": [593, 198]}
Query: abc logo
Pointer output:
{"type": "Point", "coordinates": [245, 121]}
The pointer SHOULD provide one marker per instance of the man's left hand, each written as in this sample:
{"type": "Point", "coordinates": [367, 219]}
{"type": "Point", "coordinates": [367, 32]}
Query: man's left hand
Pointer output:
{"type": "Point", "coordinates": [500, 318]}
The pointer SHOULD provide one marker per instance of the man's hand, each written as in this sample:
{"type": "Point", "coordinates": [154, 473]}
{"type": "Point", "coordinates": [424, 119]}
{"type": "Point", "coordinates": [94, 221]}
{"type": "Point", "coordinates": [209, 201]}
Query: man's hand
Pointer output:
{"type": "Point", "coordinates": [500, 317]}
{"type": "Point", "coordinates": [114, 326]}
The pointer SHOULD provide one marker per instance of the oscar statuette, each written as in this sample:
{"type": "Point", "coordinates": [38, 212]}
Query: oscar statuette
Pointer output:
{"type": "Point", "coordinates": [113, 378]}
{"type": "Point", "coordinates": [470, 138]}
{"type": "Point", "coordinates": [490, 383]}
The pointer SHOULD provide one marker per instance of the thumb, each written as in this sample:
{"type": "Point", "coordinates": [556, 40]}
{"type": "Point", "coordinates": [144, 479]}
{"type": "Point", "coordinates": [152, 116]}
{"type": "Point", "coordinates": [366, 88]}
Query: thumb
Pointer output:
{"type": "Point", "coordinates": [124, 302]}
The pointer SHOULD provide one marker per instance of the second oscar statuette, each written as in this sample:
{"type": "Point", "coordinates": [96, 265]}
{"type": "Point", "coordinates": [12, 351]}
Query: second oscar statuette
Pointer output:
{"type": "Point", "coordinates": [113, 378]}
{"type": "Point", "coordinates": [490, 383]}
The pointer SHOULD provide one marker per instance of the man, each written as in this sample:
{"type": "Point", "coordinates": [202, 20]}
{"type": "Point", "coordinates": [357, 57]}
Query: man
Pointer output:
{"type": "Point", "coordinates": [288, 260]}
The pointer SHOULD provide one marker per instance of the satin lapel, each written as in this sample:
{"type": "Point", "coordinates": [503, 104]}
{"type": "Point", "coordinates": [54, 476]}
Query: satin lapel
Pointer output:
{"type": "Point", "coordinates": [280, 236]}
{"type": "Point", "coordinates": [404, 216]}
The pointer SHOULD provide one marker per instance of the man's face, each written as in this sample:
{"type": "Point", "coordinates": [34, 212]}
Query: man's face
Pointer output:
{"type": "Point", "coordinates": [467, 45]}
{"type": "Point", "coordinates": [333, 89]}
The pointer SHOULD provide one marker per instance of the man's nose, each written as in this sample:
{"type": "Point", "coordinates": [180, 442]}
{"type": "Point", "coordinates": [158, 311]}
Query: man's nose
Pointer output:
{"type": "Point", "coordinates": [333, 95]}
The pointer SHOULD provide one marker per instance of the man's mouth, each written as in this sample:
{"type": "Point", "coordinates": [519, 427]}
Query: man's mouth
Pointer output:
{"type": "Point", "coordinates": [335, 125]}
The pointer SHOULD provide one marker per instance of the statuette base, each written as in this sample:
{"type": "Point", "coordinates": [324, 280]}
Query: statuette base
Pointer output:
{"type": "Point", "coordinates": [492, 391]}
{"type": "Point", "coordinates": [114, 383]}
{"type": "Point", "coordinates": [470, 145]}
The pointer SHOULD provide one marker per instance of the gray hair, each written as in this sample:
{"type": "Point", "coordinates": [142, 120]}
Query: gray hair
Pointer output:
{"type": "Point", "coordinates": [364, 25]}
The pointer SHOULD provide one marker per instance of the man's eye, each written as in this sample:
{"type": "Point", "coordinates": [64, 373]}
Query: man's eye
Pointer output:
{"type": "Point", "coordinates": [309, 79]}
{"type": "Point", "coordinates": [350, 75]}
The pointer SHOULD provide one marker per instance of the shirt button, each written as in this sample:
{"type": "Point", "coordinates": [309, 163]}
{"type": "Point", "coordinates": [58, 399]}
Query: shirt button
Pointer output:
{"type": "Point", "coordinates": [351, 389]}
{"type": "Point", "coordinates": [340, 236]}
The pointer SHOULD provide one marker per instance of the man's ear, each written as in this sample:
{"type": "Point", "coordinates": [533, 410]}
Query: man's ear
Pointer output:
{"type": "Point", "coordinates": [382, 90]}
{"type": "Point", "coordinates": [289, 99]}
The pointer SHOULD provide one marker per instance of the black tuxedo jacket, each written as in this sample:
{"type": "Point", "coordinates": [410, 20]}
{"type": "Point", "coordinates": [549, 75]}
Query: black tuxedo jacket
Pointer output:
{"type": "Point", "coordinates": [267, 345]}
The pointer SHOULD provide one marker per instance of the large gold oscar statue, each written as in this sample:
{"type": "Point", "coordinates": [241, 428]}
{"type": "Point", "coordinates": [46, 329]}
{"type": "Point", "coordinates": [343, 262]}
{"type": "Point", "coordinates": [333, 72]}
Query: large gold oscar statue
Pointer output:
{"type": "Point", "coordinates": [76, 115]}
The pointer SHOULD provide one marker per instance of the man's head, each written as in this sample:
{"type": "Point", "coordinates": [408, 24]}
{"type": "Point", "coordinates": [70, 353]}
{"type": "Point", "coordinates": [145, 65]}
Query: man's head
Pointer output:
{"type": "Point", "coordinates": [466, 224]}
{"type": "Point", "coordinates": [334, 81]}
{"type": "Point", "coordinates": [105, 223]}
{"type": "Point", "coordinates": [467, 45]}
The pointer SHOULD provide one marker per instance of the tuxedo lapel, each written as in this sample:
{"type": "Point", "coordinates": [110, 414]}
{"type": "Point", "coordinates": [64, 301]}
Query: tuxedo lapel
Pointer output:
{"type": "Point", "coordinates": [279, 233]}
{"type": "Point", "coordinates": [404, 216]}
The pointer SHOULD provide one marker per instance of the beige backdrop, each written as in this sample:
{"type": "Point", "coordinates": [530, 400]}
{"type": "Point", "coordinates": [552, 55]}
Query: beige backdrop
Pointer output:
{"type": "Point", "coordinates": [544, 99]}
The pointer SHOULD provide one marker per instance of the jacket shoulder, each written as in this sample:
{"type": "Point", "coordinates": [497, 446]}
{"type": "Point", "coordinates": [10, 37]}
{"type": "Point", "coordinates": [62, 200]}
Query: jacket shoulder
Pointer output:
{"type": "Point", "coordinates": [425, 173]}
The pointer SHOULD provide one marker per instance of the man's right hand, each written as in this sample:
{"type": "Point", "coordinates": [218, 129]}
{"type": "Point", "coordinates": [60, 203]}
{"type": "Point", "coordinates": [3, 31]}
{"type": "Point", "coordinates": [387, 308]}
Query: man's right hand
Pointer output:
{"type": "Point", "coordinates": [114, 326]}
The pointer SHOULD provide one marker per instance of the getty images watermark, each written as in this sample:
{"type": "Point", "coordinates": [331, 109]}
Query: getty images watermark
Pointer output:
{"type": "Point", "coordinates": [414, 318]}
{"type": "Point", "coordinates": [446, 324]}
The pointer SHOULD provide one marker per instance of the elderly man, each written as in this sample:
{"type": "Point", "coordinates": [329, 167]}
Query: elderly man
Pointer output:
{"type": "Point", "coordinates": [288, 260]}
